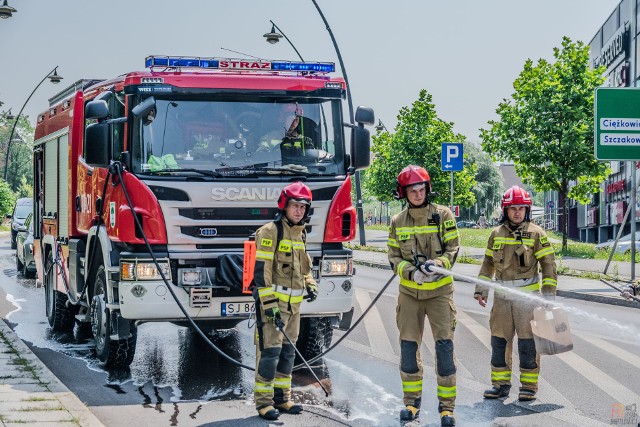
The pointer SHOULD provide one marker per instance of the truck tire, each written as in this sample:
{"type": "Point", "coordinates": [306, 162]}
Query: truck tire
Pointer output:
{"type": "Point", "coordinates": [315, 337]}
{"type": "Point", "coordinates": [111, 353]}
{"type": "Point", "coordinates": [60, 317]}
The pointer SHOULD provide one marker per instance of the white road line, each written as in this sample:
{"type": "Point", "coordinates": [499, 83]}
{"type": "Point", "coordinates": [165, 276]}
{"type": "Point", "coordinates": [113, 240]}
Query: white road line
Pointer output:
{"type": "Point", "coordinates": [612, 349]}
{"type": "Point", "coordinates": [568, 413]}
{"type": "Point", "coordinates": [600, 379]}
{"type": "Point", "coordinates": [374, 325]}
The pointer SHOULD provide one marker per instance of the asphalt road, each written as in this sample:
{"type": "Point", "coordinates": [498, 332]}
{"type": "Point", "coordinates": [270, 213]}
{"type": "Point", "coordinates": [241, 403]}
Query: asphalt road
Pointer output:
{"type": "Point", "coordinates": [176, 379]}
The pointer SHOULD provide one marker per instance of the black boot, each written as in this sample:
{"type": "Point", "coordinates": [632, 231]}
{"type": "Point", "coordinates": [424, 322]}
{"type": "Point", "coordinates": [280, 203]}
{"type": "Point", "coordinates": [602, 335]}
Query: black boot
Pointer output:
{"type": "Point", "coordinates": [497, 391]}
{"type": "Point", "coordinates": [268, 413]}
{"type": "Point", "coordinates": [526, 395]}
{"type": "Point", "coordinates": [447, 419]}
{"type": "Point", "coordinates": [409, 413]}
{"type": "Point", "coordinates": [288, 407]}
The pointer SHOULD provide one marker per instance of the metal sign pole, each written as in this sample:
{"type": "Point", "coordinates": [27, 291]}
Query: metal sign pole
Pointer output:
{"type": "Point", "coordinates": [634, 195]}
{"type": "Point", "coordinates": [451, 204]}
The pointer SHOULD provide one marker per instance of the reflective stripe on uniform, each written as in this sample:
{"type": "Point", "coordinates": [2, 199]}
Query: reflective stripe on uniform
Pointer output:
{"type": "Point", "coordinates": [488, 252]}
{"type": "Point", "coordinates": [488, 279]}
{"type": "Point", "coordinates": [263, 387]}
{"type": "Point", "coordinates": [525, 285]}
{"type": "Point", "coordinates": [264, 255]}
{"type": "Point", "coordinates": [501, 376]}
{"type": "Point", "coordinates": [422, 229]}
{"type": "Point", "coordinates": [428, 286]}
{"type": "Point", "coordinates": [445, 261]}
{"type": "Point", "coordinates": [547, 281]}
{"type": "Point", "coordinates": [282, 383]}
{"type": "Point", "coordinates": [393, 243]}
{"type": "Point", "coordinates": [401, 267]}
{"type": "Point", "coordinates": [411, 386]}
{"type": "Point", "coordinates": [513, 241]}
{"type": "Point", "coordinates": [450, 236]}
{"type": "Point", "coordinates": [544, 252]}
{"type": "Point", "coordinates": [265, 292]}
{"type": "Point", "coordinates": [528, 377]}
{"type": "Point", "coordinates": [285, 294]}
{"type": "Point", "coordinates": [446, 392]}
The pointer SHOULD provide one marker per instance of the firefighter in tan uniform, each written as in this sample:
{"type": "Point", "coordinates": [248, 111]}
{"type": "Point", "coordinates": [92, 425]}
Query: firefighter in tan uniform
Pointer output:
{"type": "Point", "coordinates": [424, 235]}
{"type": "Point", "coordinates": [282, 277]}
{"type": "Point", "coordinates": [515, 253]}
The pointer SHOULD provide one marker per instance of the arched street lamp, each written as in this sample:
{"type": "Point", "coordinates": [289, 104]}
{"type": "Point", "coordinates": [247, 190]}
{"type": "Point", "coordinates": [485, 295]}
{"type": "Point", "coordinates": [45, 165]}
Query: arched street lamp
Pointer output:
{"type": "Point", "coordinates": [273, 37]}
{"type": "Point", "coordinates": [6, 11]}
{"type": "Point", "coordinates": [54, 78]}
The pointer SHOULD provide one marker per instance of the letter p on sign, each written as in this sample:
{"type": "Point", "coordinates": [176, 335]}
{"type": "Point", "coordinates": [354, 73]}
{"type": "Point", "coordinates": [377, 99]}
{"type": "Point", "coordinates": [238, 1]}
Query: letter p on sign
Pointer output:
{"type": "Point", "coordinates": [452, 154]}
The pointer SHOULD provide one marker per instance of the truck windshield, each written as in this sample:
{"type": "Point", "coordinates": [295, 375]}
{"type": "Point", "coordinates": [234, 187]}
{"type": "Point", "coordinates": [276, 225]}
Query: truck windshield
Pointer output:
{"type": "Point", "coordinates": [181, 136]}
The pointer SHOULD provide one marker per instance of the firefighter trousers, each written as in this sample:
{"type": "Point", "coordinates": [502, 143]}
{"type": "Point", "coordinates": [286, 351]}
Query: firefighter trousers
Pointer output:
{"type": "Point", "coordinates": [410, 318]}
{"type": "Point", "coordinates": [275, 356]}
{"type": "Point", "coordinates": [511, 316]}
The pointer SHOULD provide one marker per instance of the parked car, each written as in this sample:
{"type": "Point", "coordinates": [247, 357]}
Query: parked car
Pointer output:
{"type": "Point", "coordinates": [25, 263]}
{"type": "Point", "coordinates": [467, 224]}
{"type": "Point", "coordinates": [21, 210]}
{"type": "Point", "coordinates": [624, 244]}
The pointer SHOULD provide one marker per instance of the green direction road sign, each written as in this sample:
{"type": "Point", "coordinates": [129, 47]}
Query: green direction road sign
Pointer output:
{"type": "Point", "coordinates": [617, 124]}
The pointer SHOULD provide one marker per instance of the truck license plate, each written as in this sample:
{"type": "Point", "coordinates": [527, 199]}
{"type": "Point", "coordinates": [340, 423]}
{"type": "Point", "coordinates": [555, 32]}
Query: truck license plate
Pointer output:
{"type": "Point", "coordinates": [238, 308]}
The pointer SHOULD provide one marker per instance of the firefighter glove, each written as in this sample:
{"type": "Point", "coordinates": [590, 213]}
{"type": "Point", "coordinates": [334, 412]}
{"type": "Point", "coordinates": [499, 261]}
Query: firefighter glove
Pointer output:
{"type": "Point", "coordinates": [426, 267]}
{"type": "Point", "coordinates": [419, 277]}
{"type": "Point", "coordinates": [312, 292]}
{"type": "Point", "coordinates": [271, 314]}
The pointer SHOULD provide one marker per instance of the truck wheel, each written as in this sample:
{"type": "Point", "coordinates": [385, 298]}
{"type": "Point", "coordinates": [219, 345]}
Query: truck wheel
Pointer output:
{"type": "Point", "coordinates": [19, 264]}
{"type": "Point", "coordinates": [315, 337]}
{"type": "Point", "coordinates": [60, 317]}
{"type": "Point", "coordinates": [112, 353]}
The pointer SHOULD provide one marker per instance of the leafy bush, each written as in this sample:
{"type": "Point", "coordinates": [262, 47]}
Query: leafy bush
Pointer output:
{"type": "Point", "coordinates": [7, 199]}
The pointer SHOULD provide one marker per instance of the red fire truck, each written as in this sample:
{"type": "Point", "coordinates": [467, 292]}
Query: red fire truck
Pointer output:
{"type": "Point", "coordinates": [170, 170]}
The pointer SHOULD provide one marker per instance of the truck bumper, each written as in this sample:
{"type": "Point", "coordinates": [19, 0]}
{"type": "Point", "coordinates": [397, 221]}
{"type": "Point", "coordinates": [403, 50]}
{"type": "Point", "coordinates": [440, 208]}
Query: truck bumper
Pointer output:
{"type": "Point", "coordinates": [151, 300]}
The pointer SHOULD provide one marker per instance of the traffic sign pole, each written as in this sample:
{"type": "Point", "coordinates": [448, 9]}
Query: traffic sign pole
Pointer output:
{"type": "Point", "coordinates": [451, 204]}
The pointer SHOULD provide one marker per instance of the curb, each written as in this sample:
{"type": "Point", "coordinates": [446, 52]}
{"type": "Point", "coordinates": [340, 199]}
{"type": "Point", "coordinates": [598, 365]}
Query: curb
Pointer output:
{"type": "Point", "coordinates": [566, 294]}
{"type": "Point", "coordinates": [67, 399]}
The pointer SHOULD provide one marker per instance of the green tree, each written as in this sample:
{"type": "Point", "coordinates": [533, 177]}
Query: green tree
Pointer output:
{"type": "Point", "coordinates": [418, 139]}
{"type": "Point", "coordinates": [488, 188]}
{"type": "Point", "coordinates": [7, 199]}
{"type": "Point", "coordinates": [546, 129]}
{"type": "Point", "coordinates": [21, 154]}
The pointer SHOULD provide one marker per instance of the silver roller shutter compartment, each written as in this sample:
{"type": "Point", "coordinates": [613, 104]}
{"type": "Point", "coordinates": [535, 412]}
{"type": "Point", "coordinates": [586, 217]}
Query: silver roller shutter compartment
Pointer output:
{"type": "Point", "coordinates": [51, 177]}
{"type": "Point", "coordinates": [63, 186]}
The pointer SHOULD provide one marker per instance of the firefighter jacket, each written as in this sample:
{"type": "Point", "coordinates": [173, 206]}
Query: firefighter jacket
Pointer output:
{"type": "Point", "coordinates": [515, 257]}
{"type": "Point", "coordinates": [420, 234]}
{"type": "Point", "coordinates": [283, 268]}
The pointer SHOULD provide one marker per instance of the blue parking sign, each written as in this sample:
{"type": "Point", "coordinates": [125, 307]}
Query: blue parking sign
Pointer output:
{"type": "Point", "coordinates": [452, 156]}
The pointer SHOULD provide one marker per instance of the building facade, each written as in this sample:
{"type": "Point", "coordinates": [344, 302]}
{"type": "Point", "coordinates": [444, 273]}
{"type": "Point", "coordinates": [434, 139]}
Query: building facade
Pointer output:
{"type": "Point", "coordinates": [614, 46]}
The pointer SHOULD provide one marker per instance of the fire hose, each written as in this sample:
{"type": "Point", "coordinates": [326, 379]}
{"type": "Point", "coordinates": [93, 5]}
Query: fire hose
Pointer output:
{"type": "Point", "coordinates": [118, 170]}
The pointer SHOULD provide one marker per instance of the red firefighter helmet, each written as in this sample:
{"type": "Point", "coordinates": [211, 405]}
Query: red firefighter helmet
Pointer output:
{"type": "Point", "coordinates": [516, 196]}
{"type": "Point", "coordinates": [300, 193]}
{"type": "Point", "coordinates": [412, 175]}
{"type": "Point", "coordinates": [296, 191]}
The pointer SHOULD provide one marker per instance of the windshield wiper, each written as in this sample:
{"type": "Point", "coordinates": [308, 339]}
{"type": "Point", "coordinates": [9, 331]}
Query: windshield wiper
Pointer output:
{"type": "Point", "coordinates": [284, 169]}
{"type": "Point", "coordinates": [210, 173]}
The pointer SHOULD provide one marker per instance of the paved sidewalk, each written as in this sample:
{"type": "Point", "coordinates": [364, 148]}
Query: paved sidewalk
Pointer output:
{"type": "Point", "coordinates": [30, 393]}
{"type": "Point", "coordinates": [568, 286]}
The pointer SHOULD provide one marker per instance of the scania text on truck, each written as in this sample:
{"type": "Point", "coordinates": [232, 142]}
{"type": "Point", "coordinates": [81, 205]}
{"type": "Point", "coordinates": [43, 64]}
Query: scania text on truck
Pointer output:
{"type": "Point", "coordinates": [203, 147]}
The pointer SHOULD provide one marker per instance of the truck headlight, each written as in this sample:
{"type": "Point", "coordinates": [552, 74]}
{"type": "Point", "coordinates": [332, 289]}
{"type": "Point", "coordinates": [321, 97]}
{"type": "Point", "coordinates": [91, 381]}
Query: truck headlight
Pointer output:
{"type": "Point", "coordinates": [336, 267]}
{"type": "Point", "coordinates": [144, 270]}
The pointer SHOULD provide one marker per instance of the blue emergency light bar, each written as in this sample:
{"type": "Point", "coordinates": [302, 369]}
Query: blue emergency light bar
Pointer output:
{"type": "Point", "coordinates": [237, 64]}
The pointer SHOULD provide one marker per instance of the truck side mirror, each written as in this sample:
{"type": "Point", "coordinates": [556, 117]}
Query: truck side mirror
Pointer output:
{"type": "Point", "coordinates": [360, 147]}
{"type": "Point", "coordinates": [145, 107]}
{"type": "Point", "coordinates": [96, 109]}
{"type": "Point", "coordinates": [360, 138]}
{"type": "Point", "coordinates": [96, 141]}
{"type": "Point", "coordinates": [365, 115]}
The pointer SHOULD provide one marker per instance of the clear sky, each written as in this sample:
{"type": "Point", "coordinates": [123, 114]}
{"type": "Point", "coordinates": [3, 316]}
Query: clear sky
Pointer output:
{"type": "Point", "coordinates": [466, 53]}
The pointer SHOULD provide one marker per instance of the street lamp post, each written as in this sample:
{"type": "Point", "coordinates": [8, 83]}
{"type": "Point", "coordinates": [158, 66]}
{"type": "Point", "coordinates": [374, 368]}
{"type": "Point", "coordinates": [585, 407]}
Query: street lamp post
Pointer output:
{"type": "Point", "coordinates": [363, 240]}
{"type": "Point", "coordinates": [54, 78]}
{"type": "Point", "coordinates": [380, 126]}
{"type": "Point", "coordinates": [274, 37]}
